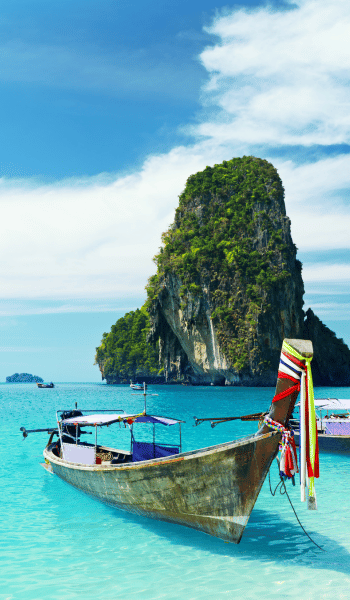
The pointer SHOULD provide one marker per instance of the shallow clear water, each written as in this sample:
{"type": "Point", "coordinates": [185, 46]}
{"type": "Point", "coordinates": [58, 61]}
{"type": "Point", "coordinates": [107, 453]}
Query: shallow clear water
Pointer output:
{"type": "Point", "coordinates": [56, 543]}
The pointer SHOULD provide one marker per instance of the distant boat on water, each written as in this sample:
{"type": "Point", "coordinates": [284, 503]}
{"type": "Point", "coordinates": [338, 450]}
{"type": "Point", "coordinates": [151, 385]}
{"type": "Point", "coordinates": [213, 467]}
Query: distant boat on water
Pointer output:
{"type": "Point", "coordinates": [138, 386]}
{"type": "Point", "coordinates": [45, 385]}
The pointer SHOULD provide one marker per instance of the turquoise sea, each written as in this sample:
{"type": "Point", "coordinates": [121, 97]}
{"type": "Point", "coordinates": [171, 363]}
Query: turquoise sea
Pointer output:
{"type": "Point", "coordinates": [56, 543]}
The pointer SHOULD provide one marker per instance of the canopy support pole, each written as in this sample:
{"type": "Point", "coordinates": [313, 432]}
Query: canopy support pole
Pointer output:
{"type": "Point", "coordinates": [59, 432]}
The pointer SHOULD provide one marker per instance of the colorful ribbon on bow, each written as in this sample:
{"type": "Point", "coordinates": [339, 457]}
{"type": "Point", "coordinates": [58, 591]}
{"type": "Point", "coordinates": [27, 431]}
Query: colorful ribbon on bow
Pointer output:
{"type": "Point", "coordinates": [297, 368]}
{"type": "Point", "coordinates": [288, 460]}
{"type": "Point", "coordinates": [309, 460]}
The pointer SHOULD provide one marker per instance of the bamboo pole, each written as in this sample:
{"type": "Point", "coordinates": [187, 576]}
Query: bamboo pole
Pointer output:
{"type": "Point", "coordinates": [302, 439]}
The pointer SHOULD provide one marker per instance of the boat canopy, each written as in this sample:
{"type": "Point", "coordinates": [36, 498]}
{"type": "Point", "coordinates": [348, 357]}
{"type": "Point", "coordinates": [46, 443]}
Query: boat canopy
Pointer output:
{"type": "Point", "coordinates": [332, 404]}
{"type": "Point", "coordinates": [104, 419]}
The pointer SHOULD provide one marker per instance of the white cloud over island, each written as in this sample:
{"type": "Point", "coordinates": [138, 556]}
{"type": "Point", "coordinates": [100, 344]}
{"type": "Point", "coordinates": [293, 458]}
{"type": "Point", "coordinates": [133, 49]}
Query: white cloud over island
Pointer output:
{"type": "Point", "coordinates": [276, 80]}
{"type": "Point", "coordinates": [281, 77]}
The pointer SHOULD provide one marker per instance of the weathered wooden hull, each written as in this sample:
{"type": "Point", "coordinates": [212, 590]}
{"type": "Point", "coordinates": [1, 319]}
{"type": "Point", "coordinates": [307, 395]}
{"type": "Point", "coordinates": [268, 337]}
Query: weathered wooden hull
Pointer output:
{"type": "Point", "coordinates": [212, 490]}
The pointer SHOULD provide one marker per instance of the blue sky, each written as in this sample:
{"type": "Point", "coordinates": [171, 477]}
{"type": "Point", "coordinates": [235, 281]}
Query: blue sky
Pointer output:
{"type": "Point", "coordinates": [107, 108]}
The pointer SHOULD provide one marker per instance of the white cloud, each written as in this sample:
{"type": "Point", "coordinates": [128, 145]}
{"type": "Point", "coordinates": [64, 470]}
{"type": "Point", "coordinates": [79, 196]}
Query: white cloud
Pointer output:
{"type": "Point", "coordinates": [281, 77]}
{"type": "Point", "coordinates": [317, 182]}
{"type": "Point", "coordinates": [89, 241]}
{"type": "Point", "coordinates": [326, 272]}
{"type": "Point", "coordinates": [96, 240]}
{"type": "Point", "coordinates": [317, 201]}
{"type": "Point", "coordinates": [332, 312]}
{"type": "Point", "coordinates": [278, 78]}
{"type": "Point", "coordinates": [322, 288]}
{"type": "Point", "coordinates": [331, 306]}
{"type": "Point", "coordinates": [87, 307]}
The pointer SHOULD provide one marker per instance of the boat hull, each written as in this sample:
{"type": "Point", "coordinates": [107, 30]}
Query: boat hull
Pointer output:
{"type": "Point", "coordinates": [330, 443]}
{"type": "Point", "coordinates": [212, 490]}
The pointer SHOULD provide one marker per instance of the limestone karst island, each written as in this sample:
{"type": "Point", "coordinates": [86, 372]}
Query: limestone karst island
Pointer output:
{"type": "Point", "coordinates": [227, 290]}
{"type": "Point", "coordinates": [23, 378]}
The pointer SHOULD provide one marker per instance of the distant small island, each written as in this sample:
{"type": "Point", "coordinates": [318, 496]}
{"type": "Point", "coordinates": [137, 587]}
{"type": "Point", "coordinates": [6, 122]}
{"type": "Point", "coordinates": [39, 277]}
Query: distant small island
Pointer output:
{"type": "Point", "coordinates": [23, 378]}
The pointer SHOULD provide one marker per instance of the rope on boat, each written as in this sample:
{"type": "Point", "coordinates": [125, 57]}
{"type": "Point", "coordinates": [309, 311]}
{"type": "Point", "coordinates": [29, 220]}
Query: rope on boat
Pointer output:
{"type": "Point", "coordinates": [217, 420]}
{"type": "Point", "coordinates": [105, 456]}
{"type": "Point", "coordinates": [288, 463]}
{"type": "Point", "coordinates": [283, 491]}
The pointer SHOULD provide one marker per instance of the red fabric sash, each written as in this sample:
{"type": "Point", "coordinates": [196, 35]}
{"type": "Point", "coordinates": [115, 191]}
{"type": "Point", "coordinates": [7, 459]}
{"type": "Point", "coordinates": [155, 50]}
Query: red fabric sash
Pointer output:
{"type": "Point", "coordinates": [296, 388]}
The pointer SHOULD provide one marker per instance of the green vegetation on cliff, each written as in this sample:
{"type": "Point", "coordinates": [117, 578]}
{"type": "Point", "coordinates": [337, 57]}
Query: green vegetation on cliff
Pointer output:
{"type": "Point", "coordinates": [124, 352]}
{"type": "Point", "coordinates": [227, 237]}
{"type": "Point", "coordinates": [23, 378]}
{"type": "Point", "coordinates": [228, 289]}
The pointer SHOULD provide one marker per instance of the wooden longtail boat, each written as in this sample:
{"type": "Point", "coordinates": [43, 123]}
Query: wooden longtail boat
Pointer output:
{"type": "Point", "coordinates": [333, 425]}
{"type": "Point", "coordinates": [213, 489]}
{"type": "Point", "coordinates": [45, 385]}
{"type": "Point", "coordinates": [138, 386]}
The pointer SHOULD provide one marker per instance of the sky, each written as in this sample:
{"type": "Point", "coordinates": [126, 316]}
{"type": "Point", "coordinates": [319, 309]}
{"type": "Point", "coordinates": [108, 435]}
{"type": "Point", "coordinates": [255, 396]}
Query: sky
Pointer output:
{"type": "Point", "coordinates": [107, 108]}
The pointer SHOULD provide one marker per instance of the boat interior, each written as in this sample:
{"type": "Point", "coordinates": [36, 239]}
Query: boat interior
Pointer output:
{"type": "Point", "coordinates": [102, 455]}
{"type": "Point", "coordinates": [70, 448]}
{"type": "Point", "coordinates": [89, 454]}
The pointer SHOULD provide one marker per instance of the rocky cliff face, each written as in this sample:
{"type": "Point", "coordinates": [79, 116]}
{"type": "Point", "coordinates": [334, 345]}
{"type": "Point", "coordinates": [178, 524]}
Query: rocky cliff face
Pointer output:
{"type": "Point", "coordinates": [124, 353]}
{"type": "Point", "coordinates": [331, 361]}
{"type": "Point", "coordinates": [228, 286]}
